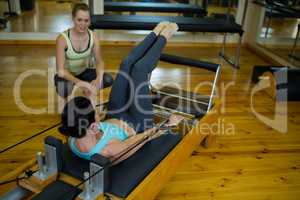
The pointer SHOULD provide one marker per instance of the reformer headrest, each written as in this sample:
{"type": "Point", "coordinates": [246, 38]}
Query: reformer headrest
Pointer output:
{"type": "Point", "coordinates": [188, 61]}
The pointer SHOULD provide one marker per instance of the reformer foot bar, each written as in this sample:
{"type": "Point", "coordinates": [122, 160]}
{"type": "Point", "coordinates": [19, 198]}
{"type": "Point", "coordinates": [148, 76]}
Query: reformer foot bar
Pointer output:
{"type": "Point", "coordinates": [63, 175]}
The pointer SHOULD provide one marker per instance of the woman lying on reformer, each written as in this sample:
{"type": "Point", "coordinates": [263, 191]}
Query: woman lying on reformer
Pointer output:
{"type": "Point", "coordinates": [130, 109]}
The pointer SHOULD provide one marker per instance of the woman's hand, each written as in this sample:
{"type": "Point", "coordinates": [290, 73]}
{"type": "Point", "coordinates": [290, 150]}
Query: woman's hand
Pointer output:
{"type": "Point", "coordinates": [174, 120]}
{"type": "Point", "coordinates": [96, 83]}
{"type": "Point", "coordinates": [97, 117]}
{"type": "Point", "coordinates": [88, 88]}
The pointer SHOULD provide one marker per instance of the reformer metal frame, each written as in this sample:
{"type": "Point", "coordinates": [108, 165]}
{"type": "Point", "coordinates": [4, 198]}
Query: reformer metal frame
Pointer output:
{"type": "Point", "coordinates": [211, 97]}
{"type": "Point", "coordinates": [235, 62]}
{"type": "Point", "coordinates": [47, 164]}
{"type": "Point", "coordinates": [294, 48]}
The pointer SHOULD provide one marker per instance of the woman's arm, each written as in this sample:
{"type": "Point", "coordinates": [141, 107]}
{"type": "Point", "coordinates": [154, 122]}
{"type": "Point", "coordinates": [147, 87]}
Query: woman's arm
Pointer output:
{"type": "Point", "coordinates": [118, 151]}
{"type": "Point", "coordinates": [99, 71]}
{"type": "Point", "coordinates": [121, 150]}
{"type": "Point", "coordinates": [99, 62]}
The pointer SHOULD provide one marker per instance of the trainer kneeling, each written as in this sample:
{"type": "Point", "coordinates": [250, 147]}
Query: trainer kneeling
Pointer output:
{"type": "Point", "coordinates": [75, 48]}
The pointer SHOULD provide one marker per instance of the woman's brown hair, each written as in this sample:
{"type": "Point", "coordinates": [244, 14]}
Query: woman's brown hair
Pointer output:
{"type": "Point", "coordinates": [79, 6]}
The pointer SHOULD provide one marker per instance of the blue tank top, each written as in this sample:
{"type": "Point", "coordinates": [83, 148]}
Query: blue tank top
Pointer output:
{"type": "Point", "coordinates": [110, 131]}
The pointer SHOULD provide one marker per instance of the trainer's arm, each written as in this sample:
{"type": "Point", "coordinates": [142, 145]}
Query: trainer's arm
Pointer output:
{"type": "Point", "coordinates": [99, 61]}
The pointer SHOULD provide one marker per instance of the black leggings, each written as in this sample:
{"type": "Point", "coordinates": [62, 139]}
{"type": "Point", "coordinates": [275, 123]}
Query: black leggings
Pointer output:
{"type": "Point", "coordinates": [129, 98]}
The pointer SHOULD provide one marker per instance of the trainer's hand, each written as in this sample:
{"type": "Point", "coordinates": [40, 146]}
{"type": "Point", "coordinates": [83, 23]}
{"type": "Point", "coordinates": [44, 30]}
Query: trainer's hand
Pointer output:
{"type": "Point", "coordinates": [96, 83]}
{"type": "Point", "coordinates": [88, 89]}
{"type": "Point", "coordinates": [174, 120]}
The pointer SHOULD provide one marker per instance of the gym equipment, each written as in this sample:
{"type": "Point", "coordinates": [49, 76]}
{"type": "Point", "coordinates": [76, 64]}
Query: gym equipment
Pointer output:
{"type": "Point", "coordinates": [214, 24]}
{"type": "Point", "coordinates": [63, 175]}
{"type": "Point", "coordinates": [136, 22]}
{"type": "Point", "coordinates": [284, 81]}
{"type": "Point", "coordinates": [180, 100]}
{"type": "Point", "coordinates": [276, 9]}
{"type": "Point", "coordinates": [140, 176]}
{"type": "Point", "coordinates": [155, 7]}
{"type": "Point", "coordinates": [3, 22]}
{"type": "Point", "coordinates": [294, 48]}
{"type": "Point", "coordinates": [9, 13]}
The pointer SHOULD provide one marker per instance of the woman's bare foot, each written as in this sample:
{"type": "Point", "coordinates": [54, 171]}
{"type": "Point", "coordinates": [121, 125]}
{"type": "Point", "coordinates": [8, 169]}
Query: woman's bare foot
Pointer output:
{"type": "Point", "coordinates": [160, 27]}
{"type": "Point", "coordinates": [169, 31]}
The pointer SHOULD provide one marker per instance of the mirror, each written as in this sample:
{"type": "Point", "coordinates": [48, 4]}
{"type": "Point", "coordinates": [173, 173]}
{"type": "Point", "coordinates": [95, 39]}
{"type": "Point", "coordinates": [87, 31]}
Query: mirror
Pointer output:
{"type": "Point", "coordinates": [279, 32]}
{"type": "Point", "coordinates": [41, 16]}
{"type": "Point", "coordinates": [53, 16]}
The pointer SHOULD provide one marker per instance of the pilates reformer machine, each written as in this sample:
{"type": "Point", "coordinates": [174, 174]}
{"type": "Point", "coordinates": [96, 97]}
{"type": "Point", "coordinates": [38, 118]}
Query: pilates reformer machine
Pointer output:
{"type": "Point", "coordinates": [276, 9]}
{"type": "Point", "coordinates": [132, 7]}
{"type": "Point", "coordinates": [216, 23]}
{"type": "Point", "coordinates": [283, 82]}
{"type": "Point", "coordinates": [59, 174]}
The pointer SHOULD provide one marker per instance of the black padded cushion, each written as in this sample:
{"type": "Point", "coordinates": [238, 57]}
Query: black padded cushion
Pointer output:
{"type": "Point", "coordinates": [259, 70]}
{"type": "Point", "coordinates": [128, 174]}
{"type": "Point", "coordinates": [278, 10]}
{"type": "Point", "coordinates": [125, 176]}
{"type": "Point", "coordinates": [58, 190]}
{"type": "Point", "coordinates": [292, 84]}
{"type": "Point", "coordinates": [73, 165]}
{"type": "Point", "coordinates": [154, 7]}
{"type": "Point", "coordinates": [282, 13]}
{"type": "Point", "coordinates": [138, 22]}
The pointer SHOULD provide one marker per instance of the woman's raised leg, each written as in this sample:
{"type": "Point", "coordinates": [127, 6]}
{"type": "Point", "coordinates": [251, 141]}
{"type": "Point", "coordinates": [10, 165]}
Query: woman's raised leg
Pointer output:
{"type": "Point", "coordinates": [141, 110]}
{"type": "Point", "coordinates": [119, 95]}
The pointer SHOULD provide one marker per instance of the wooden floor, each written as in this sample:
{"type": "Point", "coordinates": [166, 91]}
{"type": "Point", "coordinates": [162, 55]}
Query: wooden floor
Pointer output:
{"type": "Point", "coordinates": [252, 162]}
